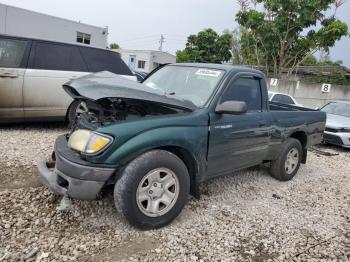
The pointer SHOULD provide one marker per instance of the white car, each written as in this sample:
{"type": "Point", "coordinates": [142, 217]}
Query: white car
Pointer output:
{"type": "Point", "coordinates": [33, 71]}
{"type": "Point", "coordinates": [338, 123]}
{"type": "Point", "coordinates": [283, 99]}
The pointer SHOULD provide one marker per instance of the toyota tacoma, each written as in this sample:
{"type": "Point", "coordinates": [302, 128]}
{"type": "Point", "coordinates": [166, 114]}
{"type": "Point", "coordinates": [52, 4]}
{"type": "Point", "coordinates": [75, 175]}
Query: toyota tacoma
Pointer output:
{"type": "Point", "coordinates": [156, 141]}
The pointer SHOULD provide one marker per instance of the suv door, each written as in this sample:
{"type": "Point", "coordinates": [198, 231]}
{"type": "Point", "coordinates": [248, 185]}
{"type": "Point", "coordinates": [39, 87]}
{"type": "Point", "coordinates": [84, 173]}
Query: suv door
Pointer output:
{"type": "Point", "coordinates": [239, 141]}
{"type": "Point", "coordinates": [13, 60]}
{"type": "Point", "coordinates": [50, 66]}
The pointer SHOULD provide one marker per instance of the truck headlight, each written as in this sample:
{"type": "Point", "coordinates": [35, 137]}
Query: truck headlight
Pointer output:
{"type": "Point", "coordinates": [89, 142]}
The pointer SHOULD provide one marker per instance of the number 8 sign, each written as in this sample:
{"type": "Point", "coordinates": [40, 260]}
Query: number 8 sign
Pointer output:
{"type": "Point", "coordinates": [326, 88]}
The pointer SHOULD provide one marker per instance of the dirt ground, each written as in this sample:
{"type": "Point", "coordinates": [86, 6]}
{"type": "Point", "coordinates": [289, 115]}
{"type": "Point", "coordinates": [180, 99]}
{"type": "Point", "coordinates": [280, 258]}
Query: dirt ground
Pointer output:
{"type": "Point", "coordinates": [247, 216]}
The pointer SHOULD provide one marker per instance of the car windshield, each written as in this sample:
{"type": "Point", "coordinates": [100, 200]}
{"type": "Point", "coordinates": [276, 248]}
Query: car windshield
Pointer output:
{"type": "Point", "coordinates": [189, 83]}
{"type": "Point", "coordinates": [270, 95]}
{"type": "Point", "coordinates": [341, 109]}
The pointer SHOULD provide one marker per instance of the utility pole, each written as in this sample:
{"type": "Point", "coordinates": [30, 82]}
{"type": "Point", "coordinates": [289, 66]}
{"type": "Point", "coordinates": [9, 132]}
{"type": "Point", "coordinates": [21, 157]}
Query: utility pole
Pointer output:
{"type": "Point", "coordinates": [161, 41]}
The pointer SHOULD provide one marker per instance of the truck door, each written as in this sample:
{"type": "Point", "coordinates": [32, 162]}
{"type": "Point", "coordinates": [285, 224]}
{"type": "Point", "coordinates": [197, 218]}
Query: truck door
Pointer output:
{"type": "Point", "coordinates": [13, 60]}
{"type": "Point", "coordinates": [239, 141]}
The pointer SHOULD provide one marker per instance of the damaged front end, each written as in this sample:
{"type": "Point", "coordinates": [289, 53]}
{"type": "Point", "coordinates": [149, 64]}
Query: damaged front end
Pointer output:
{"type": "Point", "coordinates": [105, 98]}
{"type": "Point", "coordinates": [95, 114]}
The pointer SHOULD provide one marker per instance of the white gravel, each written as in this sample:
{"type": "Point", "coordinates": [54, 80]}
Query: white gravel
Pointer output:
{"type": "Point", "coordinates": [248, 216]}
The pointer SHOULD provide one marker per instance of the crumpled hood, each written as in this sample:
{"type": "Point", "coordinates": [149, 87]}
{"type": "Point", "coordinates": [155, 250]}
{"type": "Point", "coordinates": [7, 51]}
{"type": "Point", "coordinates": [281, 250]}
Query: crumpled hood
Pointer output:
{"type": "Point", "coordinates": [105, 84]}
{"type": "Point", "coordinates": [336, 121]}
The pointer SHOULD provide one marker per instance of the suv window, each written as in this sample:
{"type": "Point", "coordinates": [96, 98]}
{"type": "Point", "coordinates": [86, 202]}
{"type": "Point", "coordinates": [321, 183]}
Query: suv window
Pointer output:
{"type": "Point", "coordinates": [284, 99]}
{"type": "Point", "coordinates": [247, 90]}
{"type": "Point", "coordinates": [101, 60]}
{"type": "Point", "coordinates": [51, 56]}
{"type": "Point", "coordinates": [12, 52]}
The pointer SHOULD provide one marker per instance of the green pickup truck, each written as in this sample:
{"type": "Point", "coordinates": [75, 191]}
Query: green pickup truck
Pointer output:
{"type": "Point", "coordinates": [156, 142]}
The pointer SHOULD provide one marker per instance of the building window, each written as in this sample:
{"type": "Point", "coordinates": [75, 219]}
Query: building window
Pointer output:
{"type": "Point", "coordinates": [83, 38]}
{"type": "Point", "coordinates": [141, 64]}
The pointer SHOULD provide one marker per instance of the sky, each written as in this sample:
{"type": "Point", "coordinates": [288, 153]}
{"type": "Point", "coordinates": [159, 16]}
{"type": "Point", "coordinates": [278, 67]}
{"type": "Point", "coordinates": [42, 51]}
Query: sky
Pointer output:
{"type": "Point", "coordinates": [138, 24]}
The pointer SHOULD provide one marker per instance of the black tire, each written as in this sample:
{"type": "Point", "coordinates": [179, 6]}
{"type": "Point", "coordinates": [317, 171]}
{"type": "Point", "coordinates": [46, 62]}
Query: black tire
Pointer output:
{"type": "Point", "coordinates": [125, 190]}
{"type": "Point", "coordinates": [278, 169]}
{"type": "Point", "coordinates": [72, 111]}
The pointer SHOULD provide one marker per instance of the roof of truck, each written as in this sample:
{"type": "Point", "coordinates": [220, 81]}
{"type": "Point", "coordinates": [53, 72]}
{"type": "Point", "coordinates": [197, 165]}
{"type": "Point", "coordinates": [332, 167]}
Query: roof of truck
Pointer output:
{"type": "Point", "coordinates": [226, 67]}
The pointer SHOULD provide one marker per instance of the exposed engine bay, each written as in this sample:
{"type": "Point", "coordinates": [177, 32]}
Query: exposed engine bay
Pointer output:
{"type": "Point", "coordinates": [94, 114]}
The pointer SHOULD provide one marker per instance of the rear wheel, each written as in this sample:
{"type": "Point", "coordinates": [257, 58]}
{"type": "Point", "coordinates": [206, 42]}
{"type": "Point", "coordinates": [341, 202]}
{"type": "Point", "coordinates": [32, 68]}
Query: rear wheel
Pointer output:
{"type": "Point", "coordinates": [287, 164]}
{"type": "Point", "coordinates": [152, 189]}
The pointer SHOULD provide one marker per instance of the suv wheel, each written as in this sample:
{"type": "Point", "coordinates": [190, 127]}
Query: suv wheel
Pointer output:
{"type": "Point", "coordinates": [76, 108]}
{"type": "Point", "coordinates": [287, 164]}
{"type": "Point", "coordinates": [152, 189]}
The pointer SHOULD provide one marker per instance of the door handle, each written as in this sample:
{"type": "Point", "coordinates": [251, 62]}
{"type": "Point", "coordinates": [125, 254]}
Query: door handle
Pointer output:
{"type": "Point", "coordinates": [262, 123]}
{"type": "Point", "coordinates": [8, 74]}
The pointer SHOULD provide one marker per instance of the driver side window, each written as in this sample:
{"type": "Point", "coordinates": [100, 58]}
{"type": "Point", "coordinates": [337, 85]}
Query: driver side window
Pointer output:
{"type": "Point", "coordinates": [247, 90]}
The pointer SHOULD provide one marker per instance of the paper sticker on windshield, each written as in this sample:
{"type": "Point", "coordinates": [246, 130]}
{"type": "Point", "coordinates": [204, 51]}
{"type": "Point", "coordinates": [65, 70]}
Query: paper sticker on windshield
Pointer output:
{"type": "Point", "coordinates": [208, 72]}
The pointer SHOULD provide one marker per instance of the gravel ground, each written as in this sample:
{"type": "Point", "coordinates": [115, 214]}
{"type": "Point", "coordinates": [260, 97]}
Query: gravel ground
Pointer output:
{"type": "Point", "coordinates": [244, 217]}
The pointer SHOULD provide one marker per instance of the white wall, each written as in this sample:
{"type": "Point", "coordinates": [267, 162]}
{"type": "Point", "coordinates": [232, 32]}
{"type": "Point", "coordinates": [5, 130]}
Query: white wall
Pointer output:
{"type": "Point", "coordinates": [310, 95]}
{"type": "Point", "coordinates": [20, 22]}
{"type": "Point", "coordinates": [163, 57]}
{"type": "Point", "coordinates": [140, 55]}
{"type": "Point", "coordinates": [146, 55]}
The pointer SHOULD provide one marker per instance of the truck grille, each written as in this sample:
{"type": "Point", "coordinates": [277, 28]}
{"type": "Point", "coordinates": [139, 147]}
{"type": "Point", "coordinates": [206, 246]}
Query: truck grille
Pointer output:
{"type": "Point", "coordinates": [332, 139]}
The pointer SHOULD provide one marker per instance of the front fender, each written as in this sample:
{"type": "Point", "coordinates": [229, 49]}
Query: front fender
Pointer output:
{"type": "Point", "coordinates": [191, 138]}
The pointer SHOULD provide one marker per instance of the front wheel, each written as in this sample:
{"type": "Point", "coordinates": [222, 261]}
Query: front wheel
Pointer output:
{"type": "Point", "coordinates": [287, 164]}
{"type": "Point", "coordinates": [152, 189]}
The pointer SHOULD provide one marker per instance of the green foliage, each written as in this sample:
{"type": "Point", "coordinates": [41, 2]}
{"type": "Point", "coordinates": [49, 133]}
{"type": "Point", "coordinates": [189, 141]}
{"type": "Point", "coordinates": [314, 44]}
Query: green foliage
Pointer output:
{"type": "Point", "coordinates": [336, 78]}
{"type": "Point", "coordinates": [310, 60]}
{"type": "Point", "coordinates": [282, 34]}
{"type": "Point", "coordinates": [114, 46]}
{"type": "Point", "coordinates": [182, 56]}
{"type": "Point", "coordinates": [206, 47]}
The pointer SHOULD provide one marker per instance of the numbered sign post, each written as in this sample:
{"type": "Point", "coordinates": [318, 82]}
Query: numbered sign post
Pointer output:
{"type": "Point", "coordinates": [273, 82]}
{"type": "Point", "coordinates": [326, 88]}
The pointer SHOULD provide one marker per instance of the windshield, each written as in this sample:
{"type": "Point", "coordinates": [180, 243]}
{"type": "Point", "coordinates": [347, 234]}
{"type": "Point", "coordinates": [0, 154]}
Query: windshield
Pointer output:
{"type": "Point", "coordinates": [189, 83]}
{"type": "Point", "coordinates": [270, 95]}
{"type": "Point", "coordinates": [341, 109]}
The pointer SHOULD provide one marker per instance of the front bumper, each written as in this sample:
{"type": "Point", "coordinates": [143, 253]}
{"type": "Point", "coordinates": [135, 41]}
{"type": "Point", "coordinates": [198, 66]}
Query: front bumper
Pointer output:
{"type": "Point", "coordinates": [339, 138]}
{"type": "Point", "coordinates": [71, 176]}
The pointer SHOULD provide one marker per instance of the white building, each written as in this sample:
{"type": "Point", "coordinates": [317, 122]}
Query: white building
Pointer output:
{"type": "Point", "coordinates": [25, 23]}
{"type": "Point", "coordinates": [145, 60]}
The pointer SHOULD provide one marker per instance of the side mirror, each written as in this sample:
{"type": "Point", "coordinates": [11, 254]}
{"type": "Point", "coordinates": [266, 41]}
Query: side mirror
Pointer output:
{"type": "Point", "coordinates": [231, 107]}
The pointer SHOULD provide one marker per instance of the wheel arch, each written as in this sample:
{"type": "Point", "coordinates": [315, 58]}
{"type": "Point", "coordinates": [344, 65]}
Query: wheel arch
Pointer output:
{"type": "Point", "coordinates": [184, 154]}
{"type": "Point", "coordinates": [190, 162]}
{"type": "Point", "coordinates": [302, 138]}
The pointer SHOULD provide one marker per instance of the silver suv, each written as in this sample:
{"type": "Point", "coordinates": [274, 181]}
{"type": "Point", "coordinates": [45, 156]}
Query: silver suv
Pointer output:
{"type": "Point", "coordinates": [33, 71]}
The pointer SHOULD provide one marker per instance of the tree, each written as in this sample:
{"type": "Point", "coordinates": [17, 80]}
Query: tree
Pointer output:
{"type": "Point", "coordinates": [114, 46]}
{"type": "Point", "coordinates": [182, 56]}
{"type": "Point", "coordinates": [310, 60]}
{"type": "Point", "coordinates": [206, 47]}
{"type": "Point", "coordinates": [236, 47]}
{"type": "Point", "coordinates": [280, 35]}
